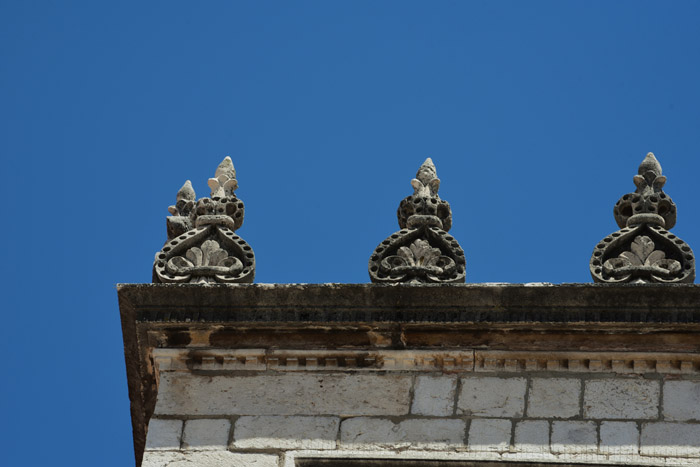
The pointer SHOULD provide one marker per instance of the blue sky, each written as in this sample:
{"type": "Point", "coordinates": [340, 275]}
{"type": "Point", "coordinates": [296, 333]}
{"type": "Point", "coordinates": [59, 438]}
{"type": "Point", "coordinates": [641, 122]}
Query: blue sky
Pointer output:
{"type": "Point", "coordinates": [536, 115]}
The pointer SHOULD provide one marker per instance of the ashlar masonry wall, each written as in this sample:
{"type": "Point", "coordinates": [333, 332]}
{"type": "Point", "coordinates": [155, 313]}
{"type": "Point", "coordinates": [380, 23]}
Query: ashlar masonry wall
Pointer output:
{"type": "Point", "coordinates": [275, 407]}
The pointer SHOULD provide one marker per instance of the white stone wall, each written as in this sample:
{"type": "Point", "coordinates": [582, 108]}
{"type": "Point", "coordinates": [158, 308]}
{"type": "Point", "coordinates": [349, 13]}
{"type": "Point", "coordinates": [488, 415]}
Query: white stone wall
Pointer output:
{"type": "Point", "coordinates": [270, 418]}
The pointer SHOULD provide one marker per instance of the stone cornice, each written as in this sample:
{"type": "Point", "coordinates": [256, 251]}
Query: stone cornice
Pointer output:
{"type": "Point", "coordinates": [445, 303]}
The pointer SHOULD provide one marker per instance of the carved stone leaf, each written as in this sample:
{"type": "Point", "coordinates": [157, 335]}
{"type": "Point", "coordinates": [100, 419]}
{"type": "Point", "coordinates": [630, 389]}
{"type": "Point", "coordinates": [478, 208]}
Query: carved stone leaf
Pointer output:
{"type": "Point", "coordinates": [655, 257]}
{"type": "Point", "coordinates": [208, 249]}
{"type": "Point", "coordinates": [213, 184]}
{"type": "Point", "coordinates": [230, 186]}
{"type": "Point", "coordinates": [407, 255]}
{"type": "Point", "coordinates": [642, 247]}
{"type": "Point", "coordinates": [417, 185]}
{"type": "Point", "coordinates": [195, 255]}
{"type": "Point", "coordinates": [434, 185]}
{"type": "Point", "coordinates": [631, 259]}
{"type": "Point", "coordinates": [423, 252]}
{"type": "Point", "coordinates": [217, 257]}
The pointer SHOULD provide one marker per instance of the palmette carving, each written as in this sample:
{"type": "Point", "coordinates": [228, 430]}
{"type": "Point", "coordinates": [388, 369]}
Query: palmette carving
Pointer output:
{"type": "Point", "coordinates": [643, 250]}
{"type": "Point", "coordinates": [643, 260]}
{"type": "Point", "coordinates": [202, 246]}
{"type": "Point", "coordinates": [422, 251]}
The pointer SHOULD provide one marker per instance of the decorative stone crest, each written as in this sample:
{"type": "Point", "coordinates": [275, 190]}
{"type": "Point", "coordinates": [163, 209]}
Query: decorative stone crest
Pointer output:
{"type": "Point", "coordinates": [422, 251]}
{"type": "Point", "coordinates": [202, 246]}
{"type": "Point", "coordinates": [643, 250]}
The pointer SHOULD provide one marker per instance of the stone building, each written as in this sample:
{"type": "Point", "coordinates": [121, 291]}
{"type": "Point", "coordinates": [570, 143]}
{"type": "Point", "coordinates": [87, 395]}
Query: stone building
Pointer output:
{"type": "Point", "coordinates": [417, 368]}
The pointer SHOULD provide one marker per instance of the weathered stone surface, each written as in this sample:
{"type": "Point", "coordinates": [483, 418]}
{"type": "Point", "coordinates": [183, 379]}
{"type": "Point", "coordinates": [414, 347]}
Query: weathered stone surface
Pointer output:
{"type": "Point", "coordinates": [208, 459]}
{"type": "Point", "coordinates": [592, 304]}
{"type": "Point", "coordinates": [682, 400]}
{"type": "Point", "coordinates": [164, 434]}
{"type": "Point", "coordinates": [378, 433]}
{"type": "Point", "coordinates": [619, 438]}
{"type": "Point", "coordinates": [434, 396]}
{"type": "Point", "coordinates": [289, 394]}
{"type": "Point", "coordinates": [554, 398]}
{"type": "Point", "coordinates": [490, 435]}
{"type": "Point", "coordinates": [670, 439]}
{"type": "Point", "coordinates": [286, 432]}
{"type": "Point", "coordinates": [492, 397]}
{"type": "Point", "coordinates": [644, 250]}
{"type": "Point", "coordinates": [421, 251]}
{"type": "Point", "coordinates": [202, 246]}
{"type": "Point", "coordinates": [206, 434]}
{"type": "Point", "coordinates": [569, 437]}
{"type": "Point", "coordinates": [532, 436]}
{"type": "Point", "coordinates": [621, 399]}
{"type": "Point", "coordinates": [540, 325]}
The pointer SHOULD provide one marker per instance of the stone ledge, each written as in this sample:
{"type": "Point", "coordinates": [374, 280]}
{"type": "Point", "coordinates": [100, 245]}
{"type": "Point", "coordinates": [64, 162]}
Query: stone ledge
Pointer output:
{"type": "Point", "coordinates": [445, 303]}
{"type": "Point", "coordinates": [223, 360]}
{"type": "Point", "coordinates": [595, 362]}
{"type": "Point", "coordinates": [367, 458]}
{"type": "Point", "coordinates": [217, 360]}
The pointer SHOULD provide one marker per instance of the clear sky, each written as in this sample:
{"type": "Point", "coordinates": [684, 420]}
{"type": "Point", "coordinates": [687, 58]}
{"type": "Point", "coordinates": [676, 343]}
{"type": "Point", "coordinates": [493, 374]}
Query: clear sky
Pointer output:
{"type": "Point", "coordinates": [536, 115]}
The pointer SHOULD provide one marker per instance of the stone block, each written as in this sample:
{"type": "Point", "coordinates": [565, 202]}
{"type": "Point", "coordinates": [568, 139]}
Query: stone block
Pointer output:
{"type": "Point", "coordinates": [379, 433]}
{"type": "Point", "coordinates": [554, 398]}
{"type": "Point", "coordinates": [208, 459]}
{"type": "Point", "coordinates": [619, 438]}
{"type": "Point", "coordinates": [284, 432]}
{"type": "Point", "coordinates": [621, 399]}
{"type": "Point", "coordinates": [492, 397]}
{"type": "Point", "coordinates": [670, 439]}
{"type": "Point", "coordinates": [490, 435]}
{"type": "Point", "coordinates": [164, 434]}
{"type": "Point", "coordinates": [370, 432]}
{"type": "Point", "coordinates": [532, 436]}
{"type": "Point", "coordinates": [569, 437]}
{"type": "Point", "coordinates": [434, 396]}
{"type": "Point", "coordinates": [682, 400]}
{"type": "Point", "coordinates": [206, 434]}
{"type": "Point", "coordinates": [287, 394]}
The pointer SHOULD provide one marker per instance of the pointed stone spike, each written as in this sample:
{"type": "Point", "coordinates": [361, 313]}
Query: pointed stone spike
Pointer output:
{"type": "Point", "coordinates": [186, 192]}
{"type": "Point", "coordinates": [226, 168]}
{"type": "Point", "coordinates": [650, 164]}
{"type": "Point", "coordinates": [426, 172]}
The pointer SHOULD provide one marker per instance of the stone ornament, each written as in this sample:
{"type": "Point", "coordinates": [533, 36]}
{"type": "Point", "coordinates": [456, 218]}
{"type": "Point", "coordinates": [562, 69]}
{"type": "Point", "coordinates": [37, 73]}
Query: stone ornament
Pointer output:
{"type": "Point", "coordinates": [422, 251]}
{"type": "Point", "coordinates": [202, 246]}
{"type": "Point", "coordinates": [643, 250]}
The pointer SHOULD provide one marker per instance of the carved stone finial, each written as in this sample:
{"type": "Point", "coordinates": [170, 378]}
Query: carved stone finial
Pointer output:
{"type": "Point", "coordinates": [421, 251]}
{"type": "Point", "coordinates": [643, 250]}
{"type": "Point", "coordinates": [202, 246]}
{"type": "Point", "coordinates": [424, 205]}
{"type": "Point", "coordinates": [224, 182]}
{"type": "Point", "coordinates": [648, 204]}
